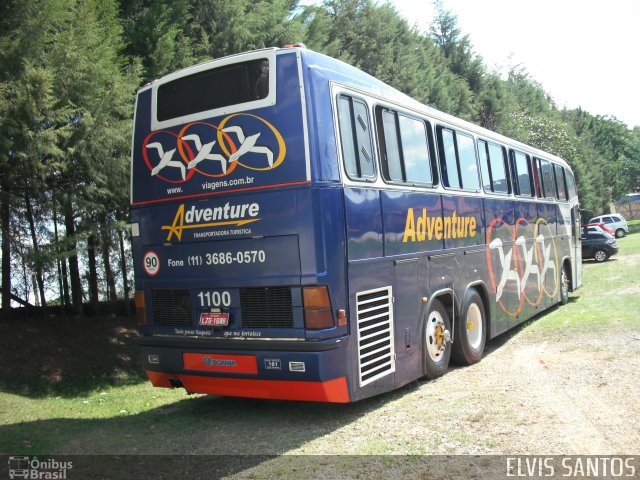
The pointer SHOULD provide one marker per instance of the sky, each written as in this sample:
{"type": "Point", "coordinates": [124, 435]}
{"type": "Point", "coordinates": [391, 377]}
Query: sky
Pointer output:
{"type": "Point", "coordinates": [584, 53]}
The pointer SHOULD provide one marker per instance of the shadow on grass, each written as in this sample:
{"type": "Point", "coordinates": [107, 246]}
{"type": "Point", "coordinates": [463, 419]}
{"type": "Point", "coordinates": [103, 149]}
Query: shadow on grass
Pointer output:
{"type": "Point", "coordinates": [67, 356]}
{"type": "Point", "coordinates": [592, 261]}
{"type": "Point", "coordinates": [197, 427]}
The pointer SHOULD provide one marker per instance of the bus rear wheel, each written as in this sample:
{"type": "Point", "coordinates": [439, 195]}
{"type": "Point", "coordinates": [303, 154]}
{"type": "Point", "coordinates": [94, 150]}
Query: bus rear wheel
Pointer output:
{"type": "Point", "coordinates": [470, 335]}
{"type": "Point", "coordinates": [437, 345]}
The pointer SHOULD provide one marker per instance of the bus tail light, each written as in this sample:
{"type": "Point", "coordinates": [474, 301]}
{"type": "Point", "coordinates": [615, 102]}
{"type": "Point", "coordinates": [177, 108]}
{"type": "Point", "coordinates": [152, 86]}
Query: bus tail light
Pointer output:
{"type": "Point", "coordinates": [317, 308]}
{"type": "Point", "coordinates": [342, 317]}
{"type": "Point", "coordinates": [141, 311]}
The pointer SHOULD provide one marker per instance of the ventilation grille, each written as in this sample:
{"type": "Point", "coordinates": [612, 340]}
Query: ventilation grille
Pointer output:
{"type": "Point", "coordinates": [266, 307]}
{"type": "Point", "coordinates": [376, 356]}
{"type": "Point", "coordinates": [171, 308]}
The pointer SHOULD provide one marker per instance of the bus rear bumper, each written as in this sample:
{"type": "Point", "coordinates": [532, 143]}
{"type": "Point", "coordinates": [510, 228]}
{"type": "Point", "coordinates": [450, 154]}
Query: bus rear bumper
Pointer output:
{"type": "Point", "coordinates": [283, 370]}
{"type": "Point", "coordinates": [334, 391]}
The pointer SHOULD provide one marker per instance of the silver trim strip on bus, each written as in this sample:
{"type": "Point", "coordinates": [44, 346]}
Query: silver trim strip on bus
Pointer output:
{"type": "Point", "coordinates": [269, 339]}
{"type": "Point", "coordinates": [303, 101]}
{"type": "Point", "coordinates": [133, 141]}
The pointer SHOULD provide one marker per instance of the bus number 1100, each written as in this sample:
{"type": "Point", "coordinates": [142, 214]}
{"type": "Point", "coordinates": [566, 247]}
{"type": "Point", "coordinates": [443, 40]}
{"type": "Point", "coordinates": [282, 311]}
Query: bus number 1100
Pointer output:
{"type": "Point", "coordinates": [215, 299]}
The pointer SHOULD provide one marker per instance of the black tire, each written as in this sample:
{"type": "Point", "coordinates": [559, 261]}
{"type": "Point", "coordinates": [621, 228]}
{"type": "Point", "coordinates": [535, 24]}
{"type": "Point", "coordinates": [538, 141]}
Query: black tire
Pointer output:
{"type": "Point", "coordinates": [470, 332]}
{"type": "Point", "coordinates": [564, 286]}
{"type": "Point", "coordinates": [436, 348]}
{"type": "Point", "coordinates": [600, 255]}
{"type": "Point", "coordinates": [620, 233]}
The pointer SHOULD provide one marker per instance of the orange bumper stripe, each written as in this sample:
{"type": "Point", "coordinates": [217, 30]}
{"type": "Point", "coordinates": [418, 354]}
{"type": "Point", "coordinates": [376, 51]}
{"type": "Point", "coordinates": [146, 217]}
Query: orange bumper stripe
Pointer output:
{"type": "Point", "coordinates": [220, 363]}
{"type": "Point", "coordinates": [334, 391]}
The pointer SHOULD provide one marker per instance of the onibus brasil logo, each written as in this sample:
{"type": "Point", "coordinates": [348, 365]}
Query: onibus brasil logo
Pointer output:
{"type": "Point", "coordinates": [33, 468]}
{"type": "Point", "coordinates": [214, 150]}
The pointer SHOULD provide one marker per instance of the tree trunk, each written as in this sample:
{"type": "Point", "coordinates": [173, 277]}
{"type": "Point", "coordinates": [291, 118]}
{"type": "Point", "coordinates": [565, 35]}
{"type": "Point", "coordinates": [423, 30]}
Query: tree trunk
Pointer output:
{"type": "Point", "coordinates": [93, 272]}
{"type": "Point", "coordinates": [65, 282]}
{"type": "Point", "coordinates": [63, 288]}
{"type": "Point", "coordinates": [123, 269]}
{"type": "Point", "coordinates": [105, 244]}
{"type": "Point", "coordinates": [36, 252]}
{"type": "Point", "coordinates": [6, 248]}
{"type": "Point", "coordinates": [34, 285]}
{"type": "Point", "coordinates": [74, 269]}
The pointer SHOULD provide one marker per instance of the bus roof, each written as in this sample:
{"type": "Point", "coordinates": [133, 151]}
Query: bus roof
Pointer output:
{"type": "Point", "coordinates": [357, 79]}
{"type": "Point", "coordinates": [369, 85]}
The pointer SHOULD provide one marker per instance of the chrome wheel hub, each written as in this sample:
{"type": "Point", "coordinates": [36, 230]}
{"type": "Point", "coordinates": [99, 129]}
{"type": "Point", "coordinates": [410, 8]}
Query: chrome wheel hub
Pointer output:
{"type": "Point", "coordinates": [474, 326]}
{"type": "Point", "coordinates": [437, 336]}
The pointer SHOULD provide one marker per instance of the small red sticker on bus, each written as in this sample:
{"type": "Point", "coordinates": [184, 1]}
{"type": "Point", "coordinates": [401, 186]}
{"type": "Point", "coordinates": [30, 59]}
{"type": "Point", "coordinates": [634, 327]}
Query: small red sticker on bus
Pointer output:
{"type": "Point", "coordinates": [214, 319]}
{"type": "Point", "coordinates": [151, 263]}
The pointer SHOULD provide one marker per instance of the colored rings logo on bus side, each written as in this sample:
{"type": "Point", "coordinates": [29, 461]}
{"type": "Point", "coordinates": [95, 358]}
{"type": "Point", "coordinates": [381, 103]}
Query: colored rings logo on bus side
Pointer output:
{"type": "Point", "coordinates": [214, 150]}
{"type": "Point", "coordinates": [521, 257]}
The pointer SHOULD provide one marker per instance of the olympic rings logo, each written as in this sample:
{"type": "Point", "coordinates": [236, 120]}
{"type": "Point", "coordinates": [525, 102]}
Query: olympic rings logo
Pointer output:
{"type": "Point", "coordinates": [521, 261]}
{"type": "Point", "coordinates": [213, 150]}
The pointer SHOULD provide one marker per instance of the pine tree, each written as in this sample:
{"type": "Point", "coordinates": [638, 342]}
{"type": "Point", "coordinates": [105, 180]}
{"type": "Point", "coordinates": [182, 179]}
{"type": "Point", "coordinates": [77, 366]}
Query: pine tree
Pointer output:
{"type": "Point", "coordinates": [68, 99]}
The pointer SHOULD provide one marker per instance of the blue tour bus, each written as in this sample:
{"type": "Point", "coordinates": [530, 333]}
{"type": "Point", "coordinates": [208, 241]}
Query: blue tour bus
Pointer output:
{"type": "Point", "coordinates": [303, 231]}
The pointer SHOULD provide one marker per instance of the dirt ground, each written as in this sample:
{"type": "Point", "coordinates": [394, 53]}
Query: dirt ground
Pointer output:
{"type": "Point", "coordinates": [571, 395]}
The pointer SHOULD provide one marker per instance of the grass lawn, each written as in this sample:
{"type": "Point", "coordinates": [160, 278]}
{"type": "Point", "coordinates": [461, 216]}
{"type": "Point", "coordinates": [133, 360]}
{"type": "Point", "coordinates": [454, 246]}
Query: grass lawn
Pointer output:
{"type": "Point", "coordinates": [607, 299]}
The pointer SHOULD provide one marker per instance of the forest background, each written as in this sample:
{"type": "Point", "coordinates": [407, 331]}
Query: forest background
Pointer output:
{"type": "Point", "coordinates": [69, 71]}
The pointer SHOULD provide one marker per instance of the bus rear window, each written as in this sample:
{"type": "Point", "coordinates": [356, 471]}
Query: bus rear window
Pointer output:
{"type": "Point", "coordinates": [216, 88]}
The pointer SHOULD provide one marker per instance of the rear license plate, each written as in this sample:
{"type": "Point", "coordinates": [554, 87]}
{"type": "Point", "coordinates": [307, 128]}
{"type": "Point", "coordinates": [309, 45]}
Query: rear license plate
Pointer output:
{"type": "Point", "coordinates": [214, 319]}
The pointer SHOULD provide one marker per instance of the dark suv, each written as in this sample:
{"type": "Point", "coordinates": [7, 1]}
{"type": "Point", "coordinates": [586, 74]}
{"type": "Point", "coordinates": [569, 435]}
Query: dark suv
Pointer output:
{"type": "Point", "coordinates": [598, 246]}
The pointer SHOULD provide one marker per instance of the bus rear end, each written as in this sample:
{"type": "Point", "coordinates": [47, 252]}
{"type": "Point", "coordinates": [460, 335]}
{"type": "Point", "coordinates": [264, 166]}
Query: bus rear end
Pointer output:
{"type": "Point", "coordinates": [239, 289]}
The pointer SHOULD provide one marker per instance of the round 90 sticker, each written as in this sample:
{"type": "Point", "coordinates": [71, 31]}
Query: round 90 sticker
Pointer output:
{"type": "Point", "coordinates": [151, 263]}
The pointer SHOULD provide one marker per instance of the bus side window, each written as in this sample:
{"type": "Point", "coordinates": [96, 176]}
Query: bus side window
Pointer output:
{"type": "Point", "coordinates": [458, 160]}
{"type": "Point", "coordinates": [537, 177]}
{"type": "Point", "coordinates": [494, 167]}
{"type": "Point", "coordinates": [404, 148]}
{"type": "Point", "coordinates": [499, 168]}
{"type": "Point", "coordinates": [391, 158]}
{"type": "Point", "coordinates": [548, 184]}
{"type": "Point", "coordinates": [571, 184]}
{"type": "Point", "coordinates": [467, 162]}
{"type": "Point", "coordinates": [521, 166]}
{"type": "Point", "coordinates": [415, 150]}
{"type": "Point", "coordinates": [485, 164]}
{"type": "Point", "coordinates": [355, 136]}
{"type": "Point", "coordinates": [561, 187]}
{"type": "Point", "coordinates": [448, 163]}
